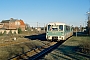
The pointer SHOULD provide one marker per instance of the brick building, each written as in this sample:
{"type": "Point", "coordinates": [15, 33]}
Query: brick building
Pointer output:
{"type": "Point", "coordinates": [12, 25]}
{"type": "Point", "coordinates": [1, 25]}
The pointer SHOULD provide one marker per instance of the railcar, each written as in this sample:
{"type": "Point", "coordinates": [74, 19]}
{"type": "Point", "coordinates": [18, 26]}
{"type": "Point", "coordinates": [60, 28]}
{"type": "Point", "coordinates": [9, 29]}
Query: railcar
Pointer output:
{"type": "Point", "coordinates": [58, 31]}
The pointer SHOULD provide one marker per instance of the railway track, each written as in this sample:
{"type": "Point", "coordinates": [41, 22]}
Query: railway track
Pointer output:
{"type": "Point", "coordinates": [37, 52]}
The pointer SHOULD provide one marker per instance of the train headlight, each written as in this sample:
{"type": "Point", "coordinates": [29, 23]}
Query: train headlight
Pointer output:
{"type": "Point", "coordinates": [59, 36]}
{"type": "Point", "coordinates": [62, 38]}
{"type": "Point", "coordinates": [48, 36]}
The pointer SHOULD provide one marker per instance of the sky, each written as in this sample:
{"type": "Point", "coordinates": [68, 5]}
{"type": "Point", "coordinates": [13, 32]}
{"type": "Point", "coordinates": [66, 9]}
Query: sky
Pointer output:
{"type": "Point", "coordinates": [71, 12]}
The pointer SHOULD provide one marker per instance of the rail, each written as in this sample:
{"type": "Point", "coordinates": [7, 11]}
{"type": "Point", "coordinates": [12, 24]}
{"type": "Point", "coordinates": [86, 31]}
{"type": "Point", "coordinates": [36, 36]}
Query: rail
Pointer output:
{"type": "Point", "coordinates": [45, 51]}
{"type": "Point", "coordinates": [29, 54]}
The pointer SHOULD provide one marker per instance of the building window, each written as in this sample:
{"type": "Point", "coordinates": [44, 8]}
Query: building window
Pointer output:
{"type": "Point", "coordinates": [17, 23]}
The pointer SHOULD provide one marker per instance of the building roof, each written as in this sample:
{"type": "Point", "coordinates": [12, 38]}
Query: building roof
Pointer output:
{"type": "Point", "coordinates": [13, 20]}
{"type": "Point", "coordinates": [10, 20]}
{"type": "Point", "coordinates": [5, 21]}
{"type": "Point", "coordinates": [21, 22]}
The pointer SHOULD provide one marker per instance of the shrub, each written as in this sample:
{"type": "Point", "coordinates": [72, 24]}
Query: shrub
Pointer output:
{"type": "Point", "coordinates": [10, 32]}
{"type": "Point", "coordinates": [1, 34]}
{"type": "Point", "coordinates": [19, 30]}
{"type": "Point", "coordinates": [14, 32]}
{"type": "Point", "coordinates": [4, 33]}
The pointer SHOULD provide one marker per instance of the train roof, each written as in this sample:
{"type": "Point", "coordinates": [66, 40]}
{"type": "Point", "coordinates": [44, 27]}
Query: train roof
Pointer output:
{"type": "Point", "coordinates": [57, 23]}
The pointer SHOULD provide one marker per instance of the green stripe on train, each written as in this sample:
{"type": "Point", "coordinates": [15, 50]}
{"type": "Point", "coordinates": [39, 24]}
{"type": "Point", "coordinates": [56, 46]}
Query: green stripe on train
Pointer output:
{"type": "Point", "coordinates": [54, 33]}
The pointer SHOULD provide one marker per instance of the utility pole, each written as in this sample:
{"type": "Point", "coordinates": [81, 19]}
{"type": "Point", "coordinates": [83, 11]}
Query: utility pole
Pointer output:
{"type": "Point", "coordinates": [37, 24]}
{"type": "Point", "coordinates": [76, 32]}
{"type": "Point", "coordinates": [80, 28]}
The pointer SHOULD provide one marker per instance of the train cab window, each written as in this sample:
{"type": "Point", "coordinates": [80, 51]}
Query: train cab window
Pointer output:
{"type": "Point", "coordinates": [55, 29]}
{"type": "Point", "coordinates": [49, 27]}
{"type": "Point", "coordinates": [60, 27]}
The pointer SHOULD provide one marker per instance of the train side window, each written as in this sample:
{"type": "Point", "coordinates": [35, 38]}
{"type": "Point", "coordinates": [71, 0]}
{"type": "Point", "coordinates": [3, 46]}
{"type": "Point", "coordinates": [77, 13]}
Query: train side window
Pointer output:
{"type": "Point", "coordinates": [60, 27]}
{"type": "Point", "coordinates": [68, 28]}
{"type": "Point", "coordinates": [71, 28]}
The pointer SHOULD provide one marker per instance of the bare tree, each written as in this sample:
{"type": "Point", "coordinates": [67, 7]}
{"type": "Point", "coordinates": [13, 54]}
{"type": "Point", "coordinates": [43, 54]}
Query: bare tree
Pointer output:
{"type": "Point", "coordinates": [27, 26]}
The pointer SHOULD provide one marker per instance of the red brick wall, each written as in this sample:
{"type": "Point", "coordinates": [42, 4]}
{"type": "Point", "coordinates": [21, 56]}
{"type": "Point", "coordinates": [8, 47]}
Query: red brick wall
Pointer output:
{"type": "Point", "coordinates": [1, 25]}
{"type": "Point", "coordinates": [22, 27]}
{"type": "Point", "coordinates": [13, 25]}
{"type": "Point", "coordinates": [6, 25]}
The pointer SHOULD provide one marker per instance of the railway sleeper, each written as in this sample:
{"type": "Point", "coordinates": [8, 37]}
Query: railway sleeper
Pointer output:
{"type": "Point", "coordinates": [31, 52]}
{"type": "Point", "coordinates": [43, 47]}
{"type": "Point", "coordinates": [40, 49]}
{"type": "Point", "coordinates": [37, 50]}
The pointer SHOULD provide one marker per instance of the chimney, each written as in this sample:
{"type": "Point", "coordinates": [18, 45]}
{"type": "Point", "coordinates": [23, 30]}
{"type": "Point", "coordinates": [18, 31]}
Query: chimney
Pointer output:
{"type": "Point", "coordinates": [11, 18]}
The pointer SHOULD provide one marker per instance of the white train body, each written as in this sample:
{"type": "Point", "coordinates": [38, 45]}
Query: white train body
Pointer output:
{"type": "Point", "coordinates": [58, 31]}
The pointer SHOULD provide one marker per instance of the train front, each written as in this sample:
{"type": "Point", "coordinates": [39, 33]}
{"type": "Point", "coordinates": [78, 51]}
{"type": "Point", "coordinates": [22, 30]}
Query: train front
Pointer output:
{"type": "Point", "coordinates": [55, 32]}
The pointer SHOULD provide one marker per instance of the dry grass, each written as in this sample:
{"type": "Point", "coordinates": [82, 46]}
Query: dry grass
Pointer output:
{"type": "Point", "coordinates": [9, 39]}
{"type": "Point", "coordinates": [83, 43]}
{"type": "Point", "coordinates": [13, 50]}
{"type": "Point", "coordinates": [69, 49]}
{"type": "Point", "coordinates": [10, 47]}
